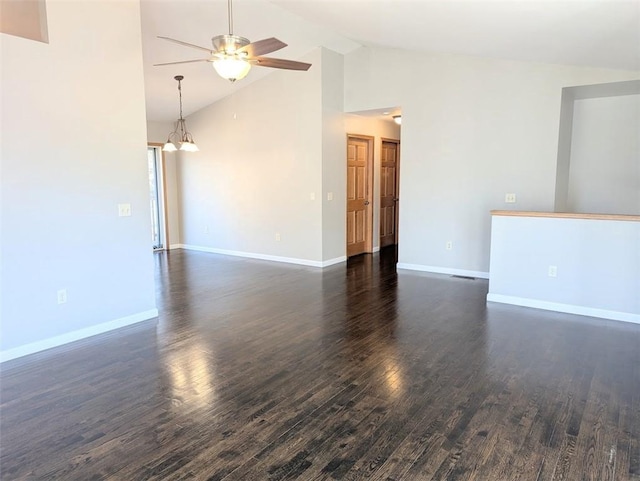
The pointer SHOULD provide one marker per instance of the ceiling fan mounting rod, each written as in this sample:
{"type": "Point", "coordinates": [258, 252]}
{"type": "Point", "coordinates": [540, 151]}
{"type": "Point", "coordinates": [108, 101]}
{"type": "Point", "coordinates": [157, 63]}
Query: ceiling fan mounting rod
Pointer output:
{"type": "Point", "coordinates": [230, 10]}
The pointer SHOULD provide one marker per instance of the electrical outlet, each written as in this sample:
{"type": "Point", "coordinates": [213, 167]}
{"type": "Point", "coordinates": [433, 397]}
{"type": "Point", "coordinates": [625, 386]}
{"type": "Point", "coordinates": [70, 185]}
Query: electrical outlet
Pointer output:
{"type": "Point", "coordinates": [329, 195]}
{"type": "Point", "coordinates": [449, 245]}
{"type": "Point", "coordinates": [206, 229]}
{"type": "Point", "coordinates": [62, 296]}
{"type": "Point", "coordinates": [124, 210]}
{"type": "Point", "coordinates": [553, 271]}
{"type": "Point", "coordinates": [312, 196]}
{"type": "Point", "coordinates": [278, 236]}
{"type": "Point", "coordinates": [510, 198]}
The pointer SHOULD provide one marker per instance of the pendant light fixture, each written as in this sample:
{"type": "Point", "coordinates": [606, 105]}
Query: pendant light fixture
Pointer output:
{"type": "Point", "coordinates": [180, 133]}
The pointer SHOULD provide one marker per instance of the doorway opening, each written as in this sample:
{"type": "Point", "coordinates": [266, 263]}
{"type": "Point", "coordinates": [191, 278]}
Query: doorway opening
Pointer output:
{"type": "Point", "coordinates": [157, 197]}
{"type": "Point", "coordinates": [373, 196]}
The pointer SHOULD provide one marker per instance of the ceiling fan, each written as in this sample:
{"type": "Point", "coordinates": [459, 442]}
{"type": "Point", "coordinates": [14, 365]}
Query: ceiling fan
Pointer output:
{"type": "Point", "coordinates": [232, 56]}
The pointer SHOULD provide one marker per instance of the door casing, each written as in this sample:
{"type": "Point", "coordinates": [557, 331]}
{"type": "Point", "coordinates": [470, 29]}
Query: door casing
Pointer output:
{"type": "Point", "coordinates": [164, 210]}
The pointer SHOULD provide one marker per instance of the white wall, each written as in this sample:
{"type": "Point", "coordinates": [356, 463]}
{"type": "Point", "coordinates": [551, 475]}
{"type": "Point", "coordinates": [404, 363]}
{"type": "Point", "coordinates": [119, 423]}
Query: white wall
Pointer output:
{"type": "Point", "coordinates": [260, 160]}
{"type": "Point", "coordinates": [604, 168]}
{"type": "Point", "coordinates": [157, 133]}
{"type": "Point", "coordinates": [597, 265]}
{"type": "Point", "coordinates": [378, 129]}
{"type": "Point", "coordinates": [73, 148]}
{"type": "Point", "coordinates": [334, 147]}
{"type": "Point", "coordinates": [473, 129]}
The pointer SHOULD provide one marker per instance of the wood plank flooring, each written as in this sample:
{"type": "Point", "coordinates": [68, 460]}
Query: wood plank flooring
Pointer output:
{"type": "Point", "coordinates": [264, 371]}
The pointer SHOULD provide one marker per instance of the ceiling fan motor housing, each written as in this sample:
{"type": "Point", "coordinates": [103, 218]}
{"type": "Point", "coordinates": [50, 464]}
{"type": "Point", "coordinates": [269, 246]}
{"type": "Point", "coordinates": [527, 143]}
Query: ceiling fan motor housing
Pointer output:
{"type": "Point", "coordinates": [228, 44]}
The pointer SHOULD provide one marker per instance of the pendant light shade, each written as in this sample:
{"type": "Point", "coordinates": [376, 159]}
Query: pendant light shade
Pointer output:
{"type": "Point", "coordinates": [169, 146]}
{"type": "Point", "coordinates": [180, 133]}
{"type": "Point", "coordinates": [188, 146]}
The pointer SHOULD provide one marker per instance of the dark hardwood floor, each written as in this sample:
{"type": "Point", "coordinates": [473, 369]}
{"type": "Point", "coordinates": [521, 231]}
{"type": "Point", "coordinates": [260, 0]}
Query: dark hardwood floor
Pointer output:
{"type": "Point", "coordinates": [264, 371]}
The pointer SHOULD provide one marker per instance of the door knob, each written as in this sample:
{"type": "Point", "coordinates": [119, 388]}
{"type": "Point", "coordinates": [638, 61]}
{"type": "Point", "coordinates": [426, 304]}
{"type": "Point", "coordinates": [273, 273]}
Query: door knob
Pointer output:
{"type": "Point", "coordinates": [366, 202]}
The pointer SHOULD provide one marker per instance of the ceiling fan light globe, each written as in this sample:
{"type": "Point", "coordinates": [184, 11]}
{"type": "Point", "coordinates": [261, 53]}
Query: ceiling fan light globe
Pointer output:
{"type": "Point", "coordinates": [232, 68]}
{"type": "Point", "coordinates": [169, 147]}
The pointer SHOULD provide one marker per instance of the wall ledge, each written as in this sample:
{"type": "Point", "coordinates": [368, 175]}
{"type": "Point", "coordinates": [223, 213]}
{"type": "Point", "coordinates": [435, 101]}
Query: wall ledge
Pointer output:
{"type": "Point", "coordinates": [567, 215]}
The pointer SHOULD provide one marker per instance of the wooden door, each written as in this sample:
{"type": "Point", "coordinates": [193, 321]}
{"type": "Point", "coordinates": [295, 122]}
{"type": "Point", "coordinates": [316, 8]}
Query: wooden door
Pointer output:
{"type": "Point", "coordinates": [389, 193]}
{"type": "Point", "coordinates": [359, 212]}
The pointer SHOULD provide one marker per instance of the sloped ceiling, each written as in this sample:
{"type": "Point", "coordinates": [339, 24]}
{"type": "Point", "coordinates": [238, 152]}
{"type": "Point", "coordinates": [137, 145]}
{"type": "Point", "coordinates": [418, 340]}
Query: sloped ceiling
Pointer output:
{"type": "Point", "coordinates": [596, 33]}
{"type": "Point", "coordinates": [197, 22]}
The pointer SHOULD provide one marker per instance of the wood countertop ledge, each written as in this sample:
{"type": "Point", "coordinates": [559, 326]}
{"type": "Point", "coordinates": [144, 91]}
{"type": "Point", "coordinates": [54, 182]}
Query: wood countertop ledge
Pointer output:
{"type": "Point", "coordinates": [567, 215]}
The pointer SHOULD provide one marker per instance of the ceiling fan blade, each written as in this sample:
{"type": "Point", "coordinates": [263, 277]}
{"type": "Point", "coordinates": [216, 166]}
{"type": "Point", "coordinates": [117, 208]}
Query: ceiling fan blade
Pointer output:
{"type": "Point", "coordinates": [261, 47]}
{"type": "Point", "coordinates": [279, 63]}
{"type": "Point", "coordinates": [184, 61]}
{"type": "Point", "coordinates": [180, 42]}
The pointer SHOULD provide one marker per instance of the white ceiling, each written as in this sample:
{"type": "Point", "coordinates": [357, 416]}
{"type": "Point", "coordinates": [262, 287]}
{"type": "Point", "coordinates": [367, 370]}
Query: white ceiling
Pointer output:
{"type": "Point", "coordinates": [196, 22]}
{"type": "Point", "coordinates": [597, 33]}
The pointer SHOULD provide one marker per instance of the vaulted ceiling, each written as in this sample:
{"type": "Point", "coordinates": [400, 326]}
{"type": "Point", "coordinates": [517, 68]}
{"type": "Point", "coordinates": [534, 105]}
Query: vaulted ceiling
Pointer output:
{"type": "Point", "coordinates": [596, 33]}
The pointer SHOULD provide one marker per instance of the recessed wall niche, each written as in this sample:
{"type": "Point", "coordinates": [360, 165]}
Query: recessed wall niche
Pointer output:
{"type": "Point", "coordinates": [24, 18]}
{"type": "Point", "coordinates": [598, 168]}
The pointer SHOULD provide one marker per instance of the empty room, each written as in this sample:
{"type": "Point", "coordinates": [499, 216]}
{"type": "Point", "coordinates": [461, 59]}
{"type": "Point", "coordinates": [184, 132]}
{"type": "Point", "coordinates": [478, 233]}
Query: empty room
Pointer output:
{"type": "Point", "coordinates": [320, 240]}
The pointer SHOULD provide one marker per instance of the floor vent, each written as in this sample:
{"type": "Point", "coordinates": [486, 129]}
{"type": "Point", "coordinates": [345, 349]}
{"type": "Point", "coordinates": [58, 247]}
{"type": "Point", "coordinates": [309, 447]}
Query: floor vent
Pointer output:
{"type": "Point", "coordinates": [469, 278]}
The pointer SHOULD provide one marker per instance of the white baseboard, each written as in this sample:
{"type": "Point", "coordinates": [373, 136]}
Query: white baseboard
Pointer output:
{"type": "Point", "coordinates": [376, 249]}
{"type": "Point", "coordinates": [56, 341]}
{"type": "Point", "coordinates": [568, 308]}
{"type": "Point", "coordinates": [443, 270]}
{"type": "Point", "coordinates": [175, 246]}
{"type": "Point", "coordinates": [334, 261]}
{"type": "Point", "coordinates": [265, 257]}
